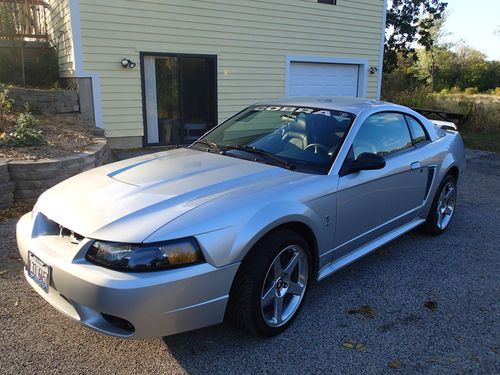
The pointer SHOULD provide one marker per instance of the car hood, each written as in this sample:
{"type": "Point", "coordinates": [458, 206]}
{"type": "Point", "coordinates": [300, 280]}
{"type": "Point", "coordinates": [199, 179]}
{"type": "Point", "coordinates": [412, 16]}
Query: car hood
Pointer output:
{"type": "Point", "coordinates": [129, 200]}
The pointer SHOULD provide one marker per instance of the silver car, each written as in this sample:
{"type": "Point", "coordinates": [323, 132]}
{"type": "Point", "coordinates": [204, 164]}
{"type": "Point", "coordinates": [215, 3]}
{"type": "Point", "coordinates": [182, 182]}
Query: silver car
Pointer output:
{"type": "Point", "coordinates": [240, 224]}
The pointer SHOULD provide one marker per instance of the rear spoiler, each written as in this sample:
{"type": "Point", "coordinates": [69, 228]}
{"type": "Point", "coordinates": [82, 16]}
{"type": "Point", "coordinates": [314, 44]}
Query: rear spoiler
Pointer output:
{"type": "Point", "coordinates": [445, 125]}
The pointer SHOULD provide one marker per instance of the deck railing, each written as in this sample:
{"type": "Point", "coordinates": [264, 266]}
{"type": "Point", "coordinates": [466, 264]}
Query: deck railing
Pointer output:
{"type": "Point", "coordinates": [23, 20]}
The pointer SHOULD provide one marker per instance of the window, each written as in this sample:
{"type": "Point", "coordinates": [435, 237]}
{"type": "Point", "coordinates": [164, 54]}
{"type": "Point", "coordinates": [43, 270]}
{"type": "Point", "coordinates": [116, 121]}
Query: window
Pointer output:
{"type": "Point", "coordinates": [332, 2]}
{"type": "Point", "coordinates": [382, 134]}
{"type": "Point", "coordinates": [309, 138]}
{"type": "Point", "coordinates": [179, 96]}
{"type": "Point", "coordinates": [418, 133]}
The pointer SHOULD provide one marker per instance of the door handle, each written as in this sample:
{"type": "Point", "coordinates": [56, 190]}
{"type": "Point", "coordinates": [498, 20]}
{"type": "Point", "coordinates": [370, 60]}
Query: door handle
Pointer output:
{"type": "Point", "coordinates": [415, 165]}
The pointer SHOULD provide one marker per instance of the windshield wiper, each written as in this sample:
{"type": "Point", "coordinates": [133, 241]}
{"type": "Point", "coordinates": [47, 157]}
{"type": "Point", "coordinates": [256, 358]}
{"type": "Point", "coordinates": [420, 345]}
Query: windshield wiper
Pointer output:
{"type": "Point", "coordinates": [211, 145]}
{"type": "Point", "coordinates": [264, 154]}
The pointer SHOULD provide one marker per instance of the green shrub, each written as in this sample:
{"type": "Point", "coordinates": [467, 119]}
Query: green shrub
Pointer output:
{"type": "Point", "coordinates": [25, 134]}
{"type": "Point", "coordinates": [5, 102]}
{"type": "Point", "coordinates": [420, 97]}
{"type": "Point", "coordinates": [497, 91]}
{"type": "Point", "coordinates": [455, 90]}
{"type": "Point", "coordinates": [471, 91]}
{"type": "Point", "coordinates": [26, 120]}
{"type": "Point", "coordinates": [444, 92]}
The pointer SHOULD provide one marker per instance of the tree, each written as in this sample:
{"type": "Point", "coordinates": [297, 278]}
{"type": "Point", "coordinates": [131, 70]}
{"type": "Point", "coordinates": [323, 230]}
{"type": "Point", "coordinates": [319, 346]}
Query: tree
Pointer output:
{"type": "Point", "coordinates": [409, 22]}
{"type": "Point", "coordinates": [427, 66]}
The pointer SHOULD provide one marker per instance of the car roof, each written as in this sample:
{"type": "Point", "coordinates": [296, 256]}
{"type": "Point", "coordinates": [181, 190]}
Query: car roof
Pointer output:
{"type": "Point", "coordinates": [351, 105]}
{"type": "Point", "coordinates": [340, 103]}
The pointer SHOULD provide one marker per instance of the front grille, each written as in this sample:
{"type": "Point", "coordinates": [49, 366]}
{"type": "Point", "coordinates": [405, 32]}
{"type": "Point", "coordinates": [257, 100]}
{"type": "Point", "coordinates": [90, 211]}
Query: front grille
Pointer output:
{"type": "Point", "coordinates": [65, 232]}
{"type": "Point", "coordinates": [51, 228]}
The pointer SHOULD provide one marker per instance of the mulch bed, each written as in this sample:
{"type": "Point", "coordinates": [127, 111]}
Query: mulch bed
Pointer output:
{"type": "Point", "coordinates": [64, 133]}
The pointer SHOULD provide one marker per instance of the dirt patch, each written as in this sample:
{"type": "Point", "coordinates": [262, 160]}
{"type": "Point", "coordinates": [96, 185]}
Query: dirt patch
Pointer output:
{"type": "Point", "coordinates": [65, 136]}
{"type": "Point", "coordinates": [18, 209]}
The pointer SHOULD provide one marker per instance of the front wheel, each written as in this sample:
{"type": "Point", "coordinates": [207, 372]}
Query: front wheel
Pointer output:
{"type": "Point", "coordinates": [270, 286]}
{"type": "Point", "coordinates": [443, 207]}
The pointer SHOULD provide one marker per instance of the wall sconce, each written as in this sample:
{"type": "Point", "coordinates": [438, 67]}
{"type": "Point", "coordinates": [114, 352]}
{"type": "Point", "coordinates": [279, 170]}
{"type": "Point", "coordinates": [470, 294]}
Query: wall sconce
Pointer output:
{"type": "Point", "coordinates": [126, 63]}
{"type": "Point", "coordinates": [373, 69]}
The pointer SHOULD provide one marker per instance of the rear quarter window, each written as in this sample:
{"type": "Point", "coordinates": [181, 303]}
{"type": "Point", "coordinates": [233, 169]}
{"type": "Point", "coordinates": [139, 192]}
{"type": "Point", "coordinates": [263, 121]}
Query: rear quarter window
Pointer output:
{"type": "Point", "coordinates": [418, 133]}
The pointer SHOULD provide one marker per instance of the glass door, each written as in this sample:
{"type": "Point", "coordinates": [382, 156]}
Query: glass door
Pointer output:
{"type": "Point", "coordinates": [180, 98]}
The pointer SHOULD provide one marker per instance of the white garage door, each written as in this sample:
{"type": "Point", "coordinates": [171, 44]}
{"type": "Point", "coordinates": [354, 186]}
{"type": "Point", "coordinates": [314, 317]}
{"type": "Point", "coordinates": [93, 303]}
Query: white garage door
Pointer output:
{"type": "Point", "coordinates": [323, 79]}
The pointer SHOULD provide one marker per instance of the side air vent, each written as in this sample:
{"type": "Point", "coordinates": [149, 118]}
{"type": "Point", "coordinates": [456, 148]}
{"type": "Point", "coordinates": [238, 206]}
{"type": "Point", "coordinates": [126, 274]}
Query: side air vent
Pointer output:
{"type": "Point", "coordinates": [430, 178]}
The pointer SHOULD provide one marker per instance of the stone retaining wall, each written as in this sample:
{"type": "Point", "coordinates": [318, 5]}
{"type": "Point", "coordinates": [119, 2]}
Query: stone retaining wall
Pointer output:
{"type": "Point", "coordinates": [46, 101]}
{"type": "Point", "coordinates": [29, 179]}
{"type": "Point", "coordinates": [6, 186]}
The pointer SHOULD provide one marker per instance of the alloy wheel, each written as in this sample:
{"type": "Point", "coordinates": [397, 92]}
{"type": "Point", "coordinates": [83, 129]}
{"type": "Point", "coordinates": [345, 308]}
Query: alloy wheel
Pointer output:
{"type": "Point", "coordinates": [284, 286]}
{"type": "Point", "coordinates": [446, 205]}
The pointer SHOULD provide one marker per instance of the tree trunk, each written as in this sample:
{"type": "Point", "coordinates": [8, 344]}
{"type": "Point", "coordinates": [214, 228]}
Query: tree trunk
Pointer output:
{"type": "Point", "coordinates": [22, 64]}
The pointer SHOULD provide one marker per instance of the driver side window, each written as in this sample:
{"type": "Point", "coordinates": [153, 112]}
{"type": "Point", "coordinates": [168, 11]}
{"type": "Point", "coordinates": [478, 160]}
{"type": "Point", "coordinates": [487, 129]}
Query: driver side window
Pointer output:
{"type": "Point", "coordinates": [382, 134]}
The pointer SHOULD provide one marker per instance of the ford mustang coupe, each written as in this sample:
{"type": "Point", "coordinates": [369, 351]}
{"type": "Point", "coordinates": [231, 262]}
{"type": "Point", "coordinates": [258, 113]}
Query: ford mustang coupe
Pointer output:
{"type": "Point", "coordinates": [238, 225]}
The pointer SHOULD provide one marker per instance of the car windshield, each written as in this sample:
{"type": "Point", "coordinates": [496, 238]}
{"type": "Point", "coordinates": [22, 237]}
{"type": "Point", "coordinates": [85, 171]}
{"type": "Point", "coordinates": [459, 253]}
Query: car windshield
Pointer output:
{"type": "Point", "coordinates": [298, 138]}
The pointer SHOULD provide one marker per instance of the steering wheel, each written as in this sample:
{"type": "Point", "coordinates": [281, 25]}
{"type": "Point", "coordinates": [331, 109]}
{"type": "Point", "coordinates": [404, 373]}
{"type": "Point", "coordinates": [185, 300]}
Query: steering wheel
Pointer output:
{"type": "Point", "coordinates": [317, 146]}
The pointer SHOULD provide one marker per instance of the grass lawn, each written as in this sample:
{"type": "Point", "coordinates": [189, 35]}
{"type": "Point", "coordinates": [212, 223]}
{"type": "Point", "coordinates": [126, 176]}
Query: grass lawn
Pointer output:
{"type": "Point", "coordinates": [488, 140]}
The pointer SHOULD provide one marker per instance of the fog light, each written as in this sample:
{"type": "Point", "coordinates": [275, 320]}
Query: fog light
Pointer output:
{"type": "Point", "coordinates": [120, 323]}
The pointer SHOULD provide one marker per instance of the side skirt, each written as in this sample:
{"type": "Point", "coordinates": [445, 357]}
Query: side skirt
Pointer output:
{"type": "Point", "coordinates": [366, 249]}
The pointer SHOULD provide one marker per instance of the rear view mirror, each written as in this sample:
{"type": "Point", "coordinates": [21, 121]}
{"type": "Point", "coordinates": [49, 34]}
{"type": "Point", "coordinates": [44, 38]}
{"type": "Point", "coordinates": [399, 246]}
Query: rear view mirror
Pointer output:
{"type": "Point", "coordinates": [367, 161]}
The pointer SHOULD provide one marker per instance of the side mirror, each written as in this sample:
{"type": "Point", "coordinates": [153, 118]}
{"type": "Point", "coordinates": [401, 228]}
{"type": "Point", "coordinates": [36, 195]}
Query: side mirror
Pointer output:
{"type": "Point", "coordinates": [367, 161]}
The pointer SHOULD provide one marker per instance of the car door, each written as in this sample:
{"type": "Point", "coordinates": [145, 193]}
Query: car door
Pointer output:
{"type": "Point", "coordinates": [371, 203]}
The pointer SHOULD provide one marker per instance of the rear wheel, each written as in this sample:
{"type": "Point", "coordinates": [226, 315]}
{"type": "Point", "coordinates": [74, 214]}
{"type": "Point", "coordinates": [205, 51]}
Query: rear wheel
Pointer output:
{"type": "Point", "coordinates": [443, 207]}
{"type": "Point", "coordinates": [271, 284]}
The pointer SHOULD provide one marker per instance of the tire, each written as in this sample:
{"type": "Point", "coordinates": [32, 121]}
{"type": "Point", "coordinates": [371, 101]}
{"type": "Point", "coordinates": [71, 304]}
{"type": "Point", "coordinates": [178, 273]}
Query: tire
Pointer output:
{"type": "Point", "coordinates": [443, 208]}
{"type": "Point", "coordinates": [258, 291]}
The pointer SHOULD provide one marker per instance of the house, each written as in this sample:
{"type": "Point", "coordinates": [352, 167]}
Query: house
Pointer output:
{"type": "Point", "coordinates": [163, 72]}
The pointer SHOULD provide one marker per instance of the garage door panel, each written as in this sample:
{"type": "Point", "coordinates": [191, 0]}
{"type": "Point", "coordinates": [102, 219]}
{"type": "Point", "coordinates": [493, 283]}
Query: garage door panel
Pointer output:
{"type": "Point", "coordinates": [320, 79]}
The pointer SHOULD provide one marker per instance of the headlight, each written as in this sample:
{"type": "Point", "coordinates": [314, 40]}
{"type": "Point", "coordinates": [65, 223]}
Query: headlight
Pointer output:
{"type": "Point", "coordinates": [145, 257]}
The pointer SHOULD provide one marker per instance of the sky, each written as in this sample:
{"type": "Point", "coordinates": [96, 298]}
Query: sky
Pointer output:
{"type": "Point", "coordinates": [475, 22]}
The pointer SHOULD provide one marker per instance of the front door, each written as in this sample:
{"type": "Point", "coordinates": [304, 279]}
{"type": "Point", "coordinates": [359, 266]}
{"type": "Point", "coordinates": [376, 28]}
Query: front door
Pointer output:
{"type": "Point", "coordinates": [180, 97]}
{"type": "Point", "coordinates": [373, 202]}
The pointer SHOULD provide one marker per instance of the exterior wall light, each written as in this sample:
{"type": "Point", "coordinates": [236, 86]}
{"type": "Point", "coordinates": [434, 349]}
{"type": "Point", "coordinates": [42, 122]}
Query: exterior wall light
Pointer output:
{"type": "Point", "coordinates": [373, 70]}
{"type": "Point", "coordinates": [127, 63]}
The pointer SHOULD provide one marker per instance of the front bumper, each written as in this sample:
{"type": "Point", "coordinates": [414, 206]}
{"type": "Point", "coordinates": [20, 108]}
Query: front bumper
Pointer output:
{"type": "Point", "coordinates": [154, 303]}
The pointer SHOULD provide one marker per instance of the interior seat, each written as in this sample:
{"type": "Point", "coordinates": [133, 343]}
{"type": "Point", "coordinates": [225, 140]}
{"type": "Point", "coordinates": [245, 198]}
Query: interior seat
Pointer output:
{"type": "Point", "coordinates": [296, 133]}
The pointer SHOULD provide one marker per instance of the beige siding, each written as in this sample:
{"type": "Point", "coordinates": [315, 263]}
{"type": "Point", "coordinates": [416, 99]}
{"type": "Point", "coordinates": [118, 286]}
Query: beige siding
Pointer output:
{"type": "Point", "coordinates": [251, 39]}
{"type": "Point", "coordinates": [59, 26]}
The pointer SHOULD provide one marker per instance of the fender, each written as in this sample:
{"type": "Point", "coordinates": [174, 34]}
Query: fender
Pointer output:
{"type": "Point", "coordinates": [239, 239]}
{"type": "Point", "coordinates": [455, 157]}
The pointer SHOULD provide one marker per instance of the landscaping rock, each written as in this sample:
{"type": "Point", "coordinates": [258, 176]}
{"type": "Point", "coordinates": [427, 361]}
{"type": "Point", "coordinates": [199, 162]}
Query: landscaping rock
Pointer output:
{"type": "Point", "coordinates": [46, 102]}
{"type": "Point", "coordinates": [29, 179]}
{"type": "Point", "coordinates": [6, 187]}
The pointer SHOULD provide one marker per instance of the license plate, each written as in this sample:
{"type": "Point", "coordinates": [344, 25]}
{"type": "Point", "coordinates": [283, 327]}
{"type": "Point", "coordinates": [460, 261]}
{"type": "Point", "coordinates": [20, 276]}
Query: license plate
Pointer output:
{"type": "Point", "coordinates": [39, 271]}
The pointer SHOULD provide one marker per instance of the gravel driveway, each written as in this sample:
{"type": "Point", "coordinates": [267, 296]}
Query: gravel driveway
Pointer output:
{"type": "Point", "coordinates": [419, 305]}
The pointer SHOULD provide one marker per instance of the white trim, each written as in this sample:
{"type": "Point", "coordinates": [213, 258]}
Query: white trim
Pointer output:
{"type": "Point", "coordinates": [362, 75]}
{"type": "Point", "coordinates": [382, 42]}
{"type": "Point", "coordinates": [77, 50]}
{"type": "Point", "coordinates": [151, 99]}
{"type": "Point", "coordinates": [76, 40]}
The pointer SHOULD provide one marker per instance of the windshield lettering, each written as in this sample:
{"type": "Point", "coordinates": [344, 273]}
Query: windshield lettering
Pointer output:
{"type": "Point", "coordinates": [304, 110]}
{"type": "Point", "coordinates": [324, 113]}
